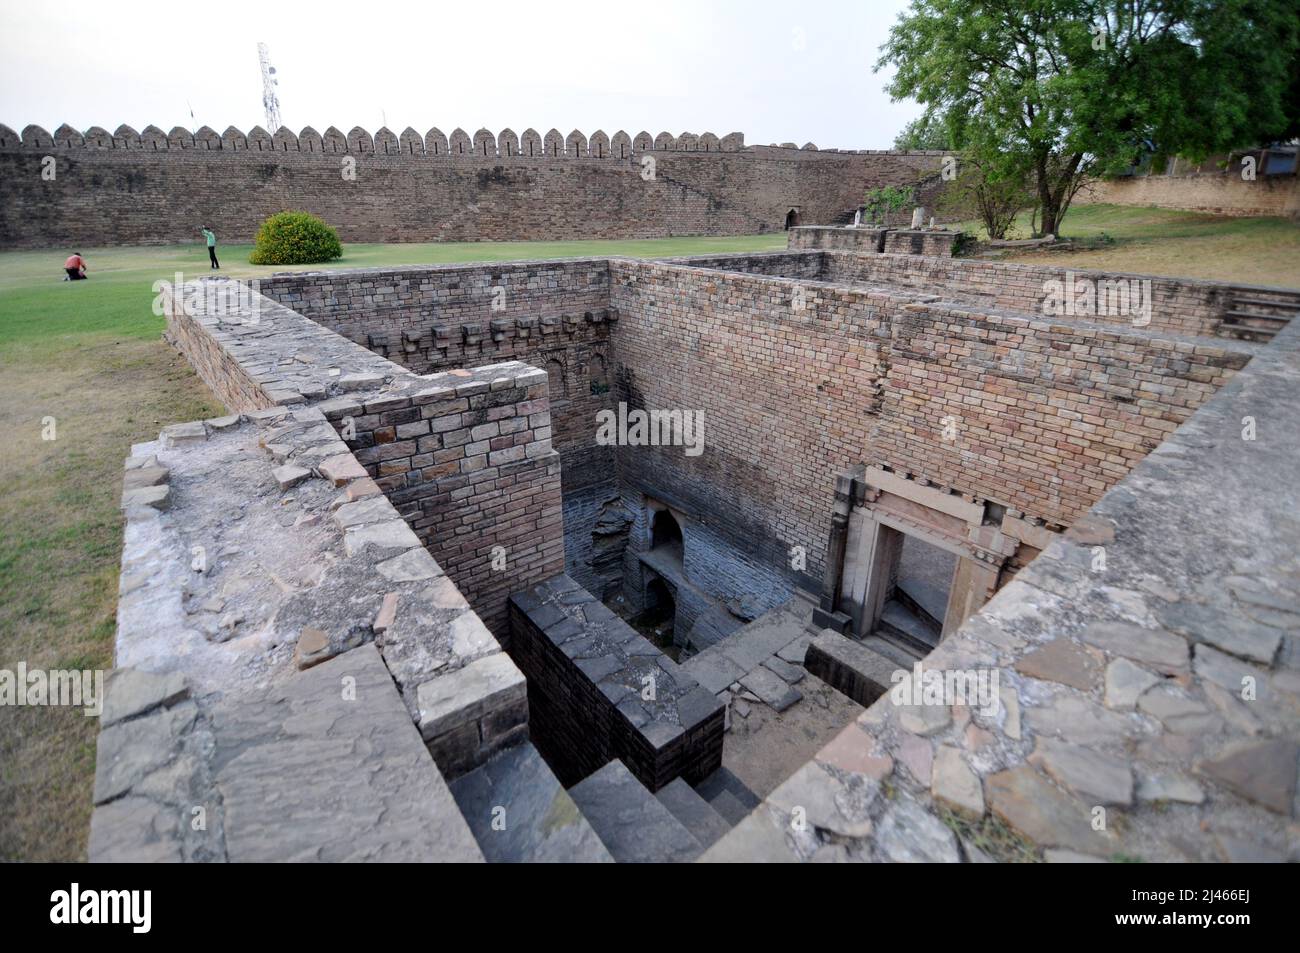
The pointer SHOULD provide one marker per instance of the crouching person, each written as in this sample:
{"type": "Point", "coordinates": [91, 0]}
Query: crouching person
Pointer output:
{"type": "Point", "coordinates": [75, 266]}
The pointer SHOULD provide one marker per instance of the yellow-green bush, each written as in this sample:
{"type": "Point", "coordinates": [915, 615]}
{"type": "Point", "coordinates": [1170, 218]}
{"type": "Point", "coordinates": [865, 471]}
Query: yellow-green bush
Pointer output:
{"type": "Point", "coordinates": [295, 238]}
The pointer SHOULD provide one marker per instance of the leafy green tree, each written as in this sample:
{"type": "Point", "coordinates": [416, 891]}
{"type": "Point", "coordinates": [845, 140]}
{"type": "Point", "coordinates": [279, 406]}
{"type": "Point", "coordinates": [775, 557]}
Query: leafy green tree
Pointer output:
{"type": "Point", "coordinates": [990, 188]}
{"type": "Point", "coordinates": [924, 133]}
{"type": "Point", "coordinates": [1076, 88]}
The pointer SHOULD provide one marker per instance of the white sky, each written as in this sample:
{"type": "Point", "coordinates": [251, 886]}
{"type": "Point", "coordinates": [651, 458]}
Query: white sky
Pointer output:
{"type": "Point", "coordinates": [798, 70]}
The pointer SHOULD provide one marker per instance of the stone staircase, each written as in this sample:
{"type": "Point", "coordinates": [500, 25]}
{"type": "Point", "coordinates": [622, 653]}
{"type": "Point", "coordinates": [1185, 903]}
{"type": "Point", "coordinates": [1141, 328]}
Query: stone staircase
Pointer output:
{"type": "Point", "coordinates": [728, 795]}
{"type": "Point", "coordinates": [910, 625]}
{"type": "Point", "coordinates": [1257, 314]}
{"type": "Point", "coordinates": [634, 825]}
{"type": "Point", "coordinates": [519, 813]}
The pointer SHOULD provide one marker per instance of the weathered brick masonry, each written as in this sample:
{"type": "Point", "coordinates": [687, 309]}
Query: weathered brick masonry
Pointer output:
{"type": "Point", "coordinates": [937, 243]}
{"type": "Point", "coordinates": [155, 187]}
{"type": "Point", "coordinates": [803, 364]}
{"type": "Point", "coordinates": [464, 456]}
{"type": "Point", "coordinates": [798, 380]}
{"type": "Point", "coordinates": [467, 461]}
{"type": "Point", "coordinates": [554, 315]}
{"type": "Point", "coordinates": [597, 691]}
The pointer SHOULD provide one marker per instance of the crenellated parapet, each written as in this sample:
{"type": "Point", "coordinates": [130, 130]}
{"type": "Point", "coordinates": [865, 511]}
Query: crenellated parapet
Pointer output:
{"type": "Point", "coordinates": [434, 144]}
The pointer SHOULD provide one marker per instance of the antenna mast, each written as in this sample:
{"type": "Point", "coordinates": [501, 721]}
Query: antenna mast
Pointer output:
{"type": "Point", "coordinates": [270, 101]}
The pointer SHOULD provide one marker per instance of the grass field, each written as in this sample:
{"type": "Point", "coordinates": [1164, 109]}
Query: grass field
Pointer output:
{"type": "Point", "coordinates": [1263, 251]}
{"type": "Point", "coordinates": [89, 355]}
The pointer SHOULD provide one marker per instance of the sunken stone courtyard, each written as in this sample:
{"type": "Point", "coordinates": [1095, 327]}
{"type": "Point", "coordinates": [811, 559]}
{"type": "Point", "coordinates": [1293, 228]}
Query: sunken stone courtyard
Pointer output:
{"type": "Point", "coordinates": [855, 551]}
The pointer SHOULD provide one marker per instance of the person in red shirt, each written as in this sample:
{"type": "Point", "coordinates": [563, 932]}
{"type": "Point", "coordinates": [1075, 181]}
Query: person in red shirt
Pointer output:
{"type": "Point", "coordinates": [75, 266]}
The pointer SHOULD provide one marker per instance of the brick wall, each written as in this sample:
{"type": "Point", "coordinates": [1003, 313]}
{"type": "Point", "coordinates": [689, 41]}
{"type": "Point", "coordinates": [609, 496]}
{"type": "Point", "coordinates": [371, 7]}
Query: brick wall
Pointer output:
{"type": "Point", "coordinates": [466, 459]}
{"type": "Point", "coordinates": [1048, 414]}
{"type": "Point", "coordinates": [1178, 305]}
{"type": "Point", "coordinates": [151, 189]}
{"type": "Point", "coordinates": [863, 240]}
{"type": "Point", "coordinates": [554, 315]}
{"type": "Point", "coordinates": [598, 691]}
{"type": "Point", "coordinates": [866, 241]}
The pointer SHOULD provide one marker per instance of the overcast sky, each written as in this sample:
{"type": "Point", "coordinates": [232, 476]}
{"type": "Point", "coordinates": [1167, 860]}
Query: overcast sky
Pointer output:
{"type": "Point", "coordinates": [798, 70]}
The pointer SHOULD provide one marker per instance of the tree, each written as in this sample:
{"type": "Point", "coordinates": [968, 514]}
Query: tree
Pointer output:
{"type": "Point", "coordinates": [925, 134]}
{"type": "Point", "coordinates": [1074, 88]}
{"type": "Point", "coordinates": [989, 188]}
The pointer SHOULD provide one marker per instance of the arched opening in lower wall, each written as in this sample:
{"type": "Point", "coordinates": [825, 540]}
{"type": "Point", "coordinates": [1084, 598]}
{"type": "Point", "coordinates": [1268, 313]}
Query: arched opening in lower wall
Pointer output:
{"type": "Point", "coordinates": [666, 532]}
{"type": "Point", "coordinates": [657, 621]}
{"type": "Point", "coordinates": [791, 218]}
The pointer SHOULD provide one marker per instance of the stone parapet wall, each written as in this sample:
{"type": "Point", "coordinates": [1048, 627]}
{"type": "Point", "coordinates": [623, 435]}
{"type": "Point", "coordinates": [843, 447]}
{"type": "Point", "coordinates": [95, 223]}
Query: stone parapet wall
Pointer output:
{"type": "Point", "coordinates": [254, 353]}
{"type": "Point", "coordinates": [483, 488]}
{"type": "Point", "coordinates": [599, 691]}
{"type": "Point", "coordinates": [1143, 711]}
{"type": "Point", "coordinates": [865, 240]}
{"type": "Point", "coordinates": [255, 548]}
{"type": "Point", "coordinates": [1177, 305]}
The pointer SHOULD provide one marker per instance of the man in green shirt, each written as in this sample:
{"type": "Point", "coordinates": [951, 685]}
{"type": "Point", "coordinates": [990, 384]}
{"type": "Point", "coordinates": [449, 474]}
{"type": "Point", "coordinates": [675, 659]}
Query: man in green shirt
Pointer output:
{"type": "Point", "coordinates": [211, 237]}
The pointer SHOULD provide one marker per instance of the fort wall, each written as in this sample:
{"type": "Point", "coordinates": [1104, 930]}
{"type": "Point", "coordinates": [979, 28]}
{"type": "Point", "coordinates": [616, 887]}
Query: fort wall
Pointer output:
{"type": "Point", "coordinates": [155, 187]}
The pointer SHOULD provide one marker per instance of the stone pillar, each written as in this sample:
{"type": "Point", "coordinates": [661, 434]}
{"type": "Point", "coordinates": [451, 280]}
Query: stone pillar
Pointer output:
{"type": "Point", "coordinates": [827, 614]}
{"type": "Point", "coordinates": [973, 584]}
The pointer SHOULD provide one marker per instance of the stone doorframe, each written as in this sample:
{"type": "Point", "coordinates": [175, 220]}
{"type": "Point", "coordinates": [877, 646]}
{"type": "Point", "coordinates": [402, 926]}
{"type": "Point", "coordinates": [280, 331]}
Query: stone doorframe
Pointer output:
{"type": "Point", "coordinates": [874, 509]}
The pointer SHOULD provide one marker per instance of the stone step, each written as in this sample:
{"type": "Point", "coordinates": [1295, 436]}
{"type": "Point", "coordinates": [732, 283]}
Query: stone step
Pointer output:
{"type": "Point", "coordinates": [901, 654]}
{"type": "Point", "coordinates": [1268, 299]}
{"type": "Point", "coordinates": [695, 813]}
{"type": "Point", "coordinates": [897, 620]}
{"type": "Point", "coordinates": [1281, 308]}
{"type": "Point", "coordinates": [631, 822]}
{"type": "Point", "coordinates": [1244, 333]}
{"type": "Point", "coordinates": [728, 795]}
{"type": "Point", "coordinates": [1253, 319]}
{"type": "Point", "coordinates": [519, 813]}
{"type": "Point", "coordinates": [730, 807]}
{"type": "Point", "coordinates": [851, 668]}
{"type": "Point", "coordinates": [927, 602]}
{"type": "Point", "coordinates": [711, 627]}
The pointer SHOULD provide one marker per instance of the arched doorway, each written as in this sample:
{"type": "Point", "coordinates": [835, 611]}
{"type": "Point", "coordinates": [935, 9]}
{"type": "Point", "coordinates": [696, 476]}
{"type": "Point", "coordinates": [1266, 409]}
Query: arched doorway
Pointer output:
{"type": "Point", "coordinates": [791, 219]}
{"type": "Point", "coordinates": [665, 531]}
{"type": "Point", "coordinates": [657, 620]}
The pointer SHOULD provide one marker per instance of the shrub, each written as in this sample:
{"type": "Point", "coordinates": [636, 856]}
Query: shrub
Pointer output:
{"type": "Point", "coordinates": [295, 238]}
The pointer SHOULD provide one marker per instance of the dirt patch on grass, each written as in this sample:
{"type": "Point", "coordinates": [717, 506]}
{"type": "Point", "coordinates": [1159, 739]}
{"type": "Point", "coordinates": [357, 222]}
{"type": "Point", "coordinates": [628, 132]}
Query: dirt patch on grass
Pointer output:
{"type": "Point", "coordinates": [60, 542]}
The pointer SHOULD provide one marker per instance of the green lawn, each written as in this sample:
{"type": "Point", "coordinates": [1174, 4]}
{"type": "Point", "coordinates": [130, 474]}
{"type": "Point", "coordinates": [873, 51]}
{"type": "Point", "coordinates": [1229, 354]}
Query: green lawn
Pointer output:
{"type": "Point", "coordinates": [1263, 251]}
{"type": "Point", "coordinates": [89, 355]}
